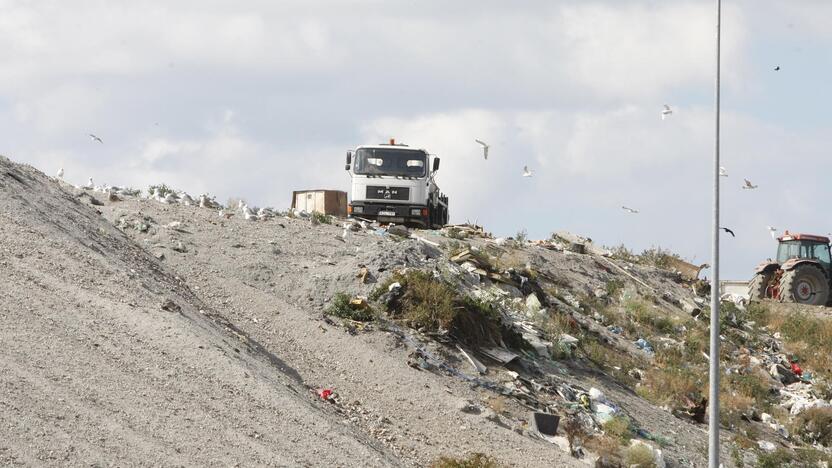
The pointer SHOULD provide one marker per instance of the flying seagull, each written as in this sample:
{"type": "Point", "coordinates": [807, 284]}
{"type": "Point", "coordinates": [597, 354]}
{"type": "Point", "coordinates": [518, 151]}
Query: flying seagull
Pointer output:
{"type": "Point", "coordinates": [95, 138]}
{"type": "Point", "coordinates": [728, 231]}
{"type": "Point", "coordinates": [485, 147]}
{"type": "Point", "coordinates": [61, 173]}
{"type": "Point", "coordinates": [723, 172]}
{"type": "Point", "coordinates": [748, 185]}
{"type": "Point", "coordinates": [777, 68]}
{"type": "Point", "coordinates": [666, 112]}
{"type": "Point", "coordinates": [629, 210]}
{"type": "Point", "coordinates": [772, 231]}
{"type": "Point", "coordinates": [526, 171]}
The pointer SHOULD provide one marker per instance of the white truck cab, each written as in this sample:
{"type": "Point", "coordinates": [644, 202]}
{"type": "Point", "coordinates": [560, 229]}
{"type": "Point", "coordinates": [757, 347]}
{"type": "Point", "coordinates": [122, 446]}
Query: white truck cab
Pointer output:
{"type": "Point", "coordinates": [394, 183]}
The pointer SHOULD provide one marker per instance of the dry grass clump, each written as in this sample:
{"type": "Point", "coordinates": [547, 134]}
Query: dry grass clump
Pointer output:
{"type": "Point", "coordinates": [639, 456]}
{"type": "Point", "coordinates": [433, 305]}
{"type": "Point", "coordinates": [619, 429]}
{"type": "Point", "coordinates": [646, 315]}
{"type": "Point", "coordinates": [807, 336]}
{"type": "Point", "coordinates": [474, 460]}
{"type": "Point", "coordinates": [814, 426]}
{"type": "Point", "coordinates": [342, 307]}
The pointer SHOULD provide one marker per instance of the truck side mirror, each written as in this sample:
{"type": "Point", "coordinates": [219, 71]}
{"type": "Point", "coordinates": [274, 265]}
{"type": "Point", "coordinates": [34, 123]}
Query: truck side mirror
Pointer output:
{"type": "Point", "coordinates": [349, 160]}
{"type": "Point", "coordinates": [435, 164]}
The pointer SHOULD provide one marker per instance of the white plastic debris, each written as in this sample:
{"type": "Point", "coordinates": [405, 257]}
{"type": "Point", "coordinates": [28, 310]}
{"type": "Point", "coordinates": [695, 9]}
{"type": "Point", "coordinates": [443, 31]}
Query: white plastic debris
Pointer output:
{"type": "Point", "coordinates": [595, 394]}
{"type": "Point", "coordinates": [766, 446]}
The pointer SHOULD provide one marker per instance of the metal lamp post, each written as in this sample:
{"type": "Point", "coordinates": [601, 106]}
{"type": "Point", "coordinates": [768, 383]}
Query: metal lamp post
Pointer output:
{"type": "Point", "coordinates": [713, 413]}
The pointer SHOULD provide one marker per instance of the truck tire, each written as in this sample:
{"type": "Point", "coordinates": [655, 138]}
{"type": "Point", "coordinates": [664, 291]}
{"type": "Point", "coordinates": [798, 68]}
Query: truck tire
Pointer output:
{"type": "Point", "coordinates": [806, 284]}
{"type": "Point", "coordinates": [757, 287]}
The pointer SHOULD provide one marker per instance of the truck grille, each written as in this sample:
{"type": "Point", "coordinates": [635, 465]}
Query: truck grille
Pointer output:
{"type": "Point", "coordinates": [388, 193]}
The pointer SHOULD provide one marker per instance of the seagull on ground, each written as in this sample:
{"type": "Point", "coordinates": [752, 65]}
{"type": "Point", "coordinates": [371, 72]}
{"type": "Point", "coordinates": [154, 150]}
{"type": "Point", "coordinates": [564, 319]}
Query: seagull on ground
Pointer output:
{"type": "Point", "coordinates": [90, 185]}
{"type": "Point", "coordinates": [772, 231]}
{"type": "Point", "coordinates": [723, 172]}
{"type": "Point", "coordinates": [526, 171]}
{"type": "Point", "coordinates": [169, 198]}
{"type": "Point", "coordinates": [248, 213]}
{"type": "Point", "coordinates": [61, 173]}
{"type": "Point", "coordinates": [748, 185]}
{"type": "Point", "coordinates": [485, 147]}
{"type": "Point", "coordinates": [187, 200]}
{"type": "Point", "coordinates": [95, 138]}
{"type": "Point", "coordinates": [728, 231]}
{"type": "Point", "coordinates": [666, 112]}
{"type": "Point", "coordinates": [629, 210]}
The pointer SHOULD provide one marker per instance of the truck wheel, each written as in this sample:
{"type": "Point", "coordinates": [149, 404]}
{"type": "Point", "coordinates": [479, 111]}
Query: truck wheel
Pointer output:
{"type": "Point", "coordinates": [806, 284]}
{"type": "Point", "coordinates": [757, 287]}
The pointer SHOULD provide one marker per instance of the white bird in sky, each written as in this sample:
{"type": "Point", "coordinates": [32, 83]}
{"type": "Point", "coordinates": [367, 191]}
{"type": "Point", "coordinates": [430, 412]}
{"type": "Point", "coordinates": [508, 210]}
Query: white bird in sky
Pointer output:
{"type": "Point", "coordinates": [61, 173]}
{"type": "Point", "coordinates": [526, 171]}
{"type": "Point", "coordinates": [772, 231]}
{"type": "Point", "coordinates": [748, 185]}
{"type": "Point", "coordinates": [485, 147]}
{"type": "Point", "coordinates": [666, 112]}
{"type": "Point", "coordinates": [723, 172]}
{"type": "Point", "coordinates": [629, 210]}
{"type": "Point", "coordinates": [95, 138]}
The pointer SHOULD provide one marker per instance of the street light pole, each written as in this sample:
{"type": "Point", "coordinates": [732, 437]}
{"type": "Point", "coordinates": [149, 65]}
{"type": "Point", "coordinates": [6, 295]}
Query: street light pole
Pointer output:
{"type": "Point", "coordinates": [713, 414]}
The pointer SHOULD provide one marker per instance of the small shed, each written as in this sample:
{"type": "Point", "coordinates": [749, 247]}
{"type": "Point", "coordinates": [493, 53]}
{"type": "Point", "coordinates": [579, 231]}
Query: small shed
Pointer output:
{"type": "Point", "coordinates": [331, 202]}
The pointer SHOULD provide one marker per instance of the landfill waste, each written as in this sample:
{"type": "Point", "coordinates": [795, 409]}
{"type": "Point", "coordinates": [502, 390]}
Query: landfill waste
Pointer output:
{"type": "Point", "coordinates": [641, 343]}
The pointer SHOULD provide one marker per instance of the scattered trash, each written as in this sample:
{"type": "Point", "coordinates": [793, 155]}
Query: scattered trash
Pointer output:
{"type": "Point", "coordinates": [478, 366]}
{"type": "Point", "coordinates": [766, 446]}
{"type": "Point", "coordinates": [501, 355]}
{"type": "Point", "coordinates": [328, 394]}
{"type": "Point", "coordinates": [641, 343]}
{"type": "Point", "coordinates": [398, 230]}
{"type": "Point", "coordinates": [545, 424]}
{"type": "Point", "coordinates": [615, 329]}
{"type": "Point", "coordinates": [171, 306]}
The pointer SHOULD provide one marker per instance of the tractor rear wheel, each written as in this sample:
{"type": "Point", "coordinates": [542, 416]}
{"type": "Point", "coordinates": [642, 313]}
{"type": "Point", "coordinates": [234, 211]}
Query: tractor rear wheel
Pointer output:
{"type": "Point", "coordinates": [806, 284]}
{"type": "Point", "coordinates": [758, 286]}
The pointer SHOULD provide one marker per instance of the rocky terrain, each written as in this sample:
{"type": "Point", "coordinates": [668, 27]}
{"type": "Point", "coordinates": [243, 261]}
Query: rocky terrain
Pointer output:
{"type": "Point", "coordinates": [152, 330]}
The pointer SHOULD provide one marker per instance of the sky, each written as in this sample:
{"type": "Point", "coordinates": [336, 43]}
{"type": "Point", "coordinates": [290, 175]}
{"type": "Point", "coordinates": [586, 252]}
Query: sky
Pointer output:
{"type": "Point", "coordinates": [256, 99]}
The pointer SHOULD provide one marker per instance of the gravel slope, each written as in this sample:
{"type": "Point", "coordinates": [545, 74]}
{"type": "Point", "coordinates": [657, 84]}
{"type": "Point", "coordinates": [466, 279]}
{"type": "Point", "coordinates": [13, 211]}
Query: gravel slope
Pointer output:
{"type": "Point", "coordinates": [93, 371]}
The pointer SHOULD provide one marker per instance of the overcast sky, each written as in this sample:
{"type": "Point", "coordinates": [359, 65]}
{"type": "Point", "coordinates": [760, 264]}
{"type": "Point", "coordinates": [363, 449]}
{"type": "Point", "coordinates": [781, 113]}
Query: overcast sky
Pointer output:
{"type": "Point", "coordinates": [255, 99]}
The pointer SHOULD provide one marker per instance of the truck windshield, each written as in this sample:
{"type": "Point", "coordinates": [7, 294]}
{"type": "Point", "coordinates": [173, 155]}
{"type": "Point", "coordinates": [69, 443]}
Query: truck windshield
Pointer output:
{"type": "Point", "coordinates": [390, 162]}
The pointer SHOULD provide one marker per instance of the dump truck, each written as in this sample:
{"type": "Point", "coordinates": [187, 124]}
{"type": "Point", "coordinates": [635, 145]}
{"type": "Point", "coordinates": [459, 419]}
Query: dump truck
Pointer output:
{"type": "Point", "coordinates": [801, 272]}
{"type": "Point", "coordinates": [394, 183]}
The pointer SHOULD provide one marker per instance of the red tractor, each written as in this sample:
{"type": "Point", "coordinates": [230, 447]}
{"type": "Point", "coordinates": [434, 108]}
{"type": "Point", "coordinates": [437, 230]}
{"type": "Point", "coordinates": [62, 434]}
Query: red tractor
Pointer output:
{"type": "Point", "coordinates": [800, 274]}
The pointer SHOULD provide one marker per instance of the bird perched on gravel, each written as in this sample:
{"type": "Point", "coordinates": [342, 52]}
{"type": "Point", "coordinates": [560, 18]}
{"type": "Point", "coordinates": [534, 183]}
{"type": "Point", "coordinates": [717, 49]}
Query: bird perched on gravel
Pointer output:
{"type": "Point", "coordinates": [485, 147]}
{"type": "Point", "coordinates": [61, 173]}
{"type": "Point", "coordinates": [666, 112]}
{"type": "Point", "coordinates": [526, 171]}
{"type": "Point", "coordinates": [90, 185]}
{"type": "Point", "coordinates": [748, 185]}
{"type": "Point", "coordinates": [248, 213]}
{"type": "Point", "coordinates": [629, 210]}
{"type": "Point", "coordinates": [169, 198]}
{"type": "Point", "coordinates": [186, 200]}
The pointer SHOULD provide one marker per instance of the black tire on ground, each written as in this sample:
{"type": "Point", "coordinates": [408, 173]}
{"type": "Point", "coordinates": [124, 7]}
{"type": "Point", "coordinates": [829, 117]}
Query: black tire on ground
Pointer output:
{"type": "Point", "coordinates": [758, 285]}
{"type": "Point", "coordinates": [806, 284]}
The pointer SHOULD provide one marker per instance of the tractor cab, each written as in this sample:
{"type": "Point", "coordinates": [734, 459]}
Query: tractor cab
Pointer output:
{"type": "Point", "coordinates": [804, 246]}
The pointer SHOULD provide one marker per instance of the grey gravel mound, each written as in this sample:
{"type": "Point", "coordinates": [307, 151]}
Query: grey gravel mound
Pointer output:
{"type": "Point", "coordinates": [108, 357]}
